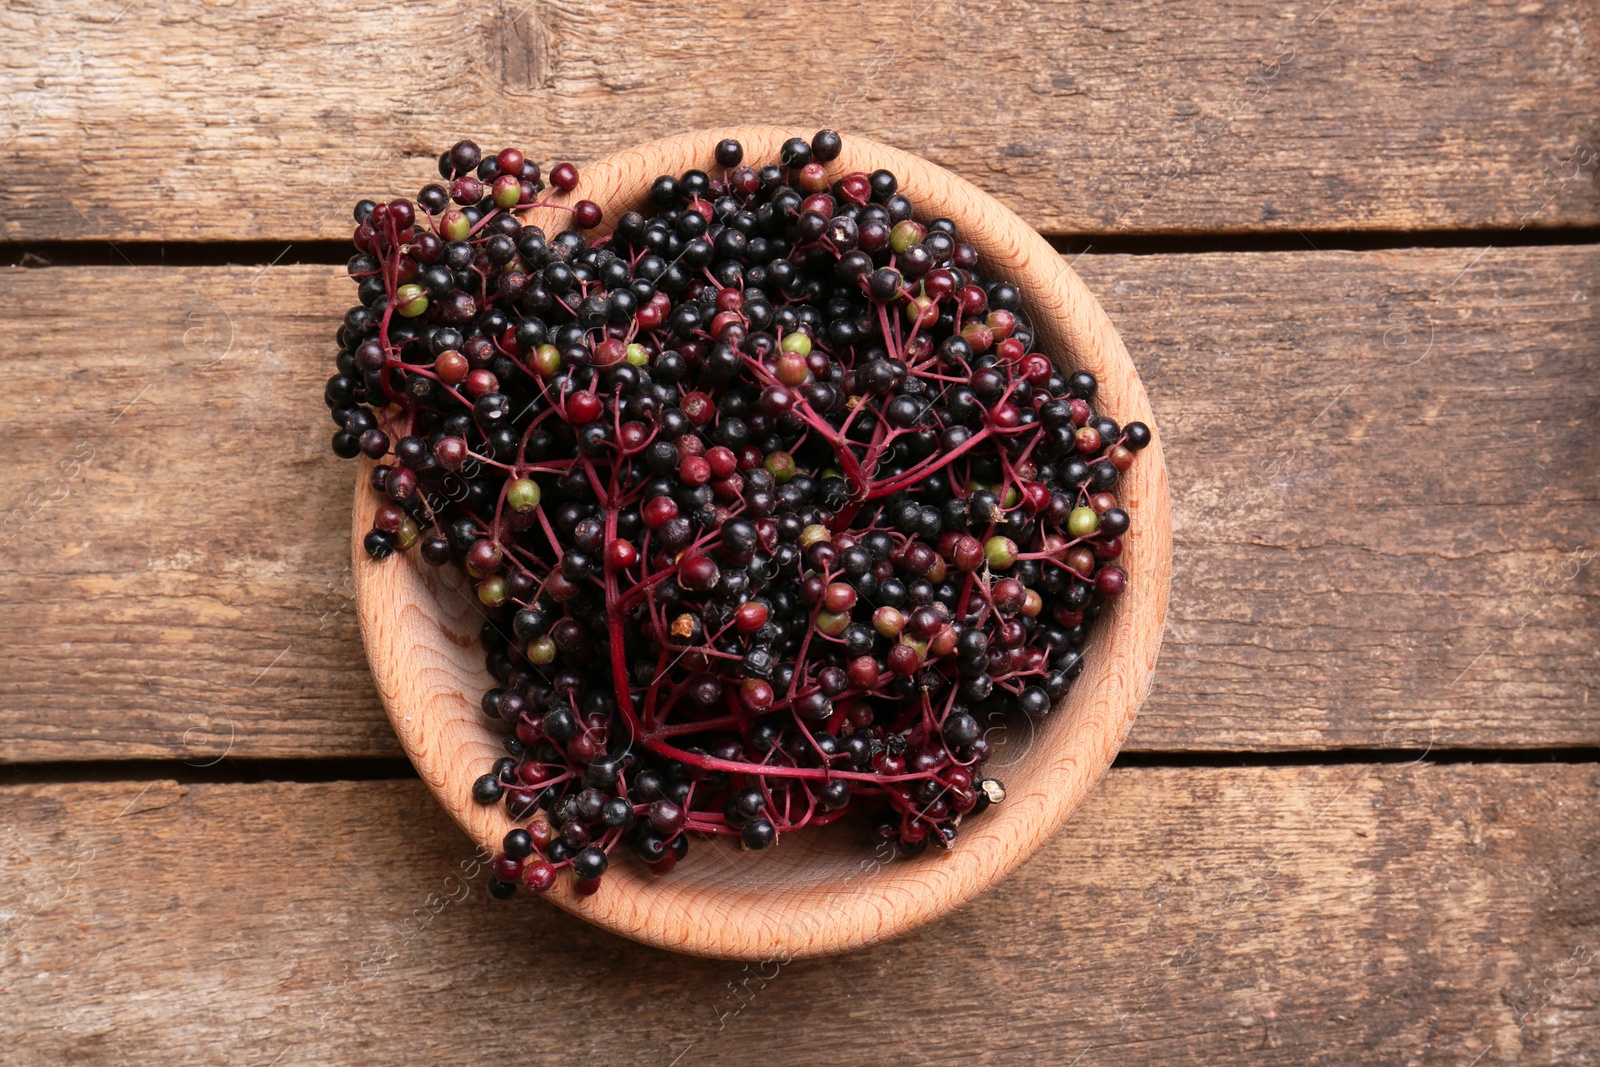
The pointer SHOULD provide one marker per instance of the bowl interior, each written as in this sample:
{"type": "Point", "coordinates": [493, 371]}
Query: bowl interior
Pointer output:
{"type": "Point", "coordinates": [825, 890]}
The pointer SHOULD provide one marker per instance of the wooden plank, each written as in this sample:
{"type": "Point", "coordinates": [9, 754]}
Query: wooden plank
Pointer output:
{"type": "Point", "coordinates": [1369, 553]}
{"type": "Point", "coordinates": [242, 121]}
{"type": "Point", "coordinates": [1315, 915]}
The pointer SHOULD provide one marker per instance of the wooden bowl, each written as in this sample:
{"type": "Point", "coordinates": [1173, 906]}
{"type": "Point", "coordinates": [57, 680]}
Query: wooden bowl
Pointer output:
{"type": "Point", "coordinates": [819, 891]}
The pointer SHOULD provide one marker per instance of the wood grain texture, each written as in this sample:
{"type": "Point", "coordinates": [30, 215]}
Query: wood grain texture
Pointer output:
{"type": "Point", "coordinates": [1343, 915]}
{"type": "Point", "coordinates": [207, 120]}
{"type": "Point", "coordinates": [815, 898]}
{"type": "Point", "coordinates": [1367, 553]}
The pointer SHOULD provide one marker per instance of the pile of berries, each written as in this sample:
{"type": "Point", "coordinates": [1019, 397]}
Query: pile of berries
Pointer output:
{"type": "Point", "coordinates": [772, 506]}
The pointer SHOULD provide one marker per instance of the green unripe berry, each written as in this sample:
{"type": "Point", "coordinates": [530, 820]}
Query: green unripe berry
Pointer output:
{"type": "Point", "coordinates": [792, 369]}
{"type": "Point", "coordinates": [888, 621]}
{"type": "Point", "coordinates": [411, 300]}
{"type": "Point", "coordinates": [797, 342]}
{"type": "Point", "coordinates": [637, 355]}
{"type": "Point", "coordinates": [541, 652]}
{"type": "Point", "coordinates": [523, 495]}
{"type": "Point", "coordinates": [507, 191]}
{"type": "Point", "coordinates": [905, 234]}
{"type": "Point", "coordinates": [1000, 553]}
{"type": "Point", "coordinates": [832, 623]}
{"type": "Point", "coordinates": [780, 465]}
{"type": "Point", "coordinates": [547, 360]}
{"type": "Point", "coordinates": [813, 534]}
{"type": "Point", "coordinates": [454, 226]}
{"type": "Point", "coordinates": [1082, 522]}
{"type": "Point", "coordinates": [492, 591]}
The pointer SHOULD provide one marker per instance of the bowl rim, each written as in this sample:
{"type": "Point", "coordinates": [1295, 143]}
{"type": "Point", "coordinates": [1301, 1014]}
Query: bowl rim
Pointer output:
{"type": "Point", "coordinates": [419, 642]}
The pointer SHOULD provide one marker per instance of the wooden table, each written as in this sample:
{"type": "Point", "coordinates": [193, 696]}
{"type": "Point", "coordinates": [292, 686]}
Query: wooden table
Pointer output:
{"type": "Point", "coordinates": [1352, 246]}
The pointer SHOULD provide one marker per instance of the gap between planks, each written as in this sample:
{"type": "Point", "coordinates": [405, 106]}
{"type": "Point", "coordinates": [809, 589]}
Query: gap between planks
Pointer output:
{"type": "Point", "coordinates": [85, 253]}
{"type": "Point", "coordinates": [253, 771]}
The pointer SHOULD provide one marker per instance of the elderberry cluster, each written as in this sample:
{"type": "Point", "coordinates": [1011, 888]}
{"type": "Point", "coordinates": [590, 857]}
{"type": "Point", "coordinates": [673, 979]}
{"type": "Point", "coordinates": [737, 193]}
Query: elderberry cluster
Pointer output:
{"type": "Point", "coordinates": [772, 505]}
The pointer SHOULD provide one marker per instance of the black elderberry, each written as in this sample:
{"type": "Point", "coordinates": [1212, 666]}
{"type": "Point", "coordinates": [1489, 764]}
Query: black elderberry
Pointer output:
{"type": "Point", "coordinates": [726, 465]}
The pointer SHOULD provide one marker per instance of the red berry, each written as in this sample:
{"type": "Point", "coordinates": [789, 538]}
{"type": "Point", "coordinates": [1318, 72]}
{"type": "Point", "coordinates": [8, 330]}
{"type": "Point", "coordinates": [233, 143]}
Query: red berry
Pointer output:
{"type": "Point", "coordinates": [1111, 581]}
{"type": "Point", "coordinates": [451, 452]}
{"type": "Point", "coordinates": [388, 518]}
{"type": "Point", "coordinates": [694, 470]}
{"type": "Point", "coordinates": [510, 162]}
{"type": "Point", "coordinates": [722, 461]}
{"type": "Point", "coordinates": [583, 408]}
{"type": "Point", "coordinates": [818, 204]}
{"type": "Point", "coordinates": [723, 320]}
{"type": "Point", "coordinates": [538, 876]}
{"type": "Point", "coordinates": [1007, 595]}
{"type": "Point", "coordinates": [750, 617]}
{"type": "Point", "coordinates": [839, 597]}
{"type": "Point", "coordinates": [650, 316]}
{"type": "Point", "coordinates": [968, 554]}
{"type": "Point", "coordinates": [903, 659]}
{"type": "Point", "coordinates": [485, 556]}
{"type": "Point", "coordinates": [973, 300]}
{"type": "Point", "coordinates": [939, 284]}
{"type": "Point", "coordinates": [855, 188]}
{"type": "Point", "coordinates": [697, 573]}
{"type": "Point", "coordinates": [564, 176]}
{"type": "Point", "coordinates": [586, 213]}
{"type": "Point", "coordinates": [1065, 617]}
{"type": "Point", "coordinates": [658, 511]}
{"type": "Point", "coordinates": [755, 694]}
{"type": "Point", "coordinates": [863, 672]}
{"type": "Point", "coordinates": [698, 408]}
{"type": "Point", "coordinates": [621, 554]}
{"type": "Point", "coordinates": [632, 436]}
{"type": "Point", "coordinates": [1005, 415]}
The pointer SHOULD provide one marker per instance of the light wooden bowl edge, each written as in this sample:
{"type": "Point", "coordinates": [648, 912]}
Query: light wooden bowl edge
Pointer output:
{"type": "Point", "coordinates": [421, 640]}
